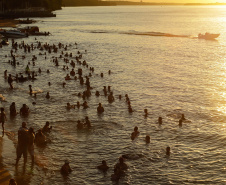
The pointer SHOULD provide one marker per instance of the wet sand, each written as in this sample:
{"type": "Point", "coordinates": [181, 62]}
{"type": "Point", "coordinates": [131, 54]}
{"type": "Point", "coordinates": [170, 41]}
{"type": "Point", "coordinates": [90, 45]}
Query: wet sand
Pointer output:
{"type": "Point", "coordinates": [4, 174]}
{"type": "Point", "coordinates": [8, 23]}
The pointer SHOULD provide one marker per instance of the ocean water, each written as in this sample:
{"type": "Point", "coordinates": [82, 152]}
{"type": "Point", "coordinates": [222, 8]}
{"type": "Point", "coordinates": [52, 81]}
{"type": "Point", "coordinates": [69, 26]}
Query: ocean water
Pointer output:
{"type": "Point", "coordinates": [169, 75]}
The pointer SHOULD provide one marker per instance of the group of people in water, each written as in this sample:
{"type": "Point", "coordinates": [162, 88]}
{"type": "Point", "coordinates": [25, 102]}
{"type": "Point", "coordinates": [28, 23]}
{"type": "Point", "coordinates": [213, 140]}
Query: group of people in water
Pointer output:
{"type": "Point", "coordinates": [27, 137]}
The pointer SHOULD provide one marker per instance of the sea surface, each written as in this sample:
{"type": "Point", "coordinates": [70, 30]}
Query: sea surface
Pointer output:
{"type": "Point", "coordinates": [156, 58]}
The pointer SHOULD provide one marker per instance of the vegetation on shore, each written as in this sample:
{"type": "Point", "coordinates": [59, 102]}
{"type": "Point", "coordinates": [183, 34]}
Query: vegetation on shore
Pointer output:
{"type": "Point", "coordinates": [25, 4]}
{"type": "Point", "coordinates": [87, 3]}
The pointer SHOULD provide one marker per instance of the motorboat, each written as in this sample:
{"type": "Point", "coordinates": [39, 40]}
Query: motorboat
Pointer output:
{"type": "Point", "coordinates": [26, 21]}
{"type": "Point", "coordinates": [208, 36]}
{"type": "Point", "coordinates": [33, 30]}
{"type": "Point", "coordinates": [12, 34]}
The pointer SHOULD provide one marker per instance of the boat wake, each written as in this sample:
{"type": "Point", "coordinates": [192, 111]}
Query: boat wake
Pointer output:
{"type": "Point", "coordinates": [154, 34]}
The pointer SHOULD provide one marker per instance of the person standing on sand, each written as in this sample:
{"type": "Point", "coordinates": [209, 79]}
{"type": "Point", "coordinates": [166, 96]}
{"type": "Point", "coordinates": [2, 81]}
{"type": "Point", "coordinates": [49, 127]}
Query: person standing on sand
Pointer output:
{"type": "Point", "coordinates": [2, 120]}
{"type": "Point", "coordinates": [22, 145]}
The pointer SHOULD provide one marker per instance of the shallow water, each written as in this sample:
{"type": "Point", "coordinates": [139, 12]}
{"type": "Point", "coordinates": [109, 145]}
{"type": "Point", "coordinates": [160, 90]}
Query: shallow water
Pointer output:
{"type": "Point", "coordinates": [167, 75]}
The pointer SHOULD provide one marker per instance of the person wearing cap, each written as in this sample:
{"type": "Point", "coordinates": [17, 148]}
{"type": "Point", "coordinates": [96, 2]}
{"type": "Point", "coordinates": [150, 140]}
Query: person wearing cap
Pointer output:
{"type": "Point", "coordinates": [66, 169]}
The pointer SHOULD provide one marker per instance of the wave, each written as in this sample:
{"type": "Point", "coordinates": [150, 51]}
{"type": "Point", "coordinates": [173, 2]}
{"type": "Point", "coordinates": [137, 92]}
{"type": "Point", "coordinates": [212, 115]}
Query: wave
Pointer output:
{"type": "Point", "coordinates": [156, 34]}
{"type": "Point", "coordinates": [152, 33]}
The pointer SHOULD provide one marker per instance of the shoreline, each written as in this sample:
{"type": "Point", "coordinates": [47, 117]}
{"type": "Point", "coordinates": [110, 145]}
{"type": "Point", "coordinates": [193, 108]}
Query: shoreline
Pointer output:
{"type": "Point", "coordinates": [8, 23]}
{"type": "Point", "coordinates": [5, 175]}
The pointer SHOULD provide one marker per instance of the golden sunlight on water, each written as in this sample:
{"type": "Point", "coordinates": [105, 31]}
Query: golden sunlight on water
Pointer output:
{"type": "Point", "coordinates": [160, 69]}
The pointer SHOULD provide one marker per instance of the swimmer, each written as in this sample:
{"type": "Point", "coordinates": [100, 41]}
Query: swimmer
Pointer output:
{"type": "Point", "coordinates": [3, 119]}
{"type": "Point", "coordinates": [182, 117]}
{"type": "Point", "coordinates": [116, 175]}
{"type": "Point", "coordinates": [85, 105]}
{"type": "Point", "coordinates": [12, 109]}
{"type": "Point", "coordinates": [103, 167]}
{"type": "Point", "coordinates": [121, 165]}
{"type": "Point", "coordinates": [69, 106]}
{"type": "Point", "coordinates": [168, 150]}
{"type": "Point", "coordinates": [135, 133]}
{"type": "Point", "coordinates": [47, 128]}
{"type": "Point", "coordinates": [111, 98]}
{"type": "Point", "coordinates": [180, 123]}
{"type": "Point", "coordinates": [10, 81]}
{"type": "Point", "coordinates": [79, 124]}
{"type": "Point", "coordinates": [160, 120]}
{"type": "Point", "coordinates": [130, 109]}
{"type": "Point", "coordinates": [78, 104]}
{"type": "Point", "coordinates": [145, 112]}
{"type": "Point", "coordinates": [40, 138]}
{"type": "Point", "coordinates": [24, 111]}
{"type": "Point", "coordinates": [87, 122]}
{"type": "Point", "coordinates": [30, 89]}
{"type": "Point", "coordinates": [72, 73]}
{"type": "Point", "coordinates": [147, 139]}
{"type": "Point", "coordinates": [100, 109]}
{"type": "Point", "coordinates": [47, 95]}
{"type": "Point", "coordinates": [97, 93]}
{"type": "Point", "coordinates": [65, 169]}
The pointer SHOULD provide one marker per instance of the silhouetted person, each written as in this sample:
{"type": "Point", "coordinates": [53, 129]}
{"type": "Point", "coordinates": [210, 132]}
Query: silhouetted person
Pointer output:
{"type": "Point", "coordinates": [180, 123]}
{"type": "Point", "coordinates": [65, 169]}
{"type": "Point", "coordinates": [46, 128]}
{"type": "Point", "coordinates": [3, 119]}
{"type": "Point", "coordinates": [24, 111]}
{"type": "Point", "coordinates": [160, 120]}
{"type": "Point", "coordinates": [100, 109]}
{"type": "Point", "coordinates": [147, 139]}
{"type": "Point", "coordinates": [12, 109]}
{"type": "Point", "coordinates": [10, 81]}
{"type": "Point", "coordinates": [135, 133]}
{"type": "Point", "coordinates": [22, 145]}
{"type": "Point", "coordinates": [47, 95]}
{"type": "Point", "coordinates": [104, 167]}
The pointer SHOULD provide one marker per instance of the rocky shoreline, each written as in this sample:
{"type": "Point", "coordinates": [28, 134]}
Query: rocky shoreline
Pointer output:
{"type": "Point", "coordinates": [24, 14]}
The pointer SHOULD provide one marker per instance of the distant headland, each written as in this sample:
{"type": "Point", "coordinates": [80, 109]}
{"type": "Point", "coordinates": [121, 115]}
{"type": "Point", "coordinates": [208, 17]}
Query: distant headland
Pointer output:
{"type": "Point", "coordinates": [10, 9]}
{"type": "Point", "coordinates": [118, 3]}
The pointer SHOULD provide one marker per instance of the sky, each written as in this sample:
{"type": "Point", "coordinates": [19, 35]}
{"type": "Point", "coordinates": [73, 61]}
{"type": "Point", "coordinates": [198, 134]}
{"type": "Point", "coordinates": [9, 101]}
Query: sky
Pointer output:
{"type": "Point", "coordinates": [180, 1]}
